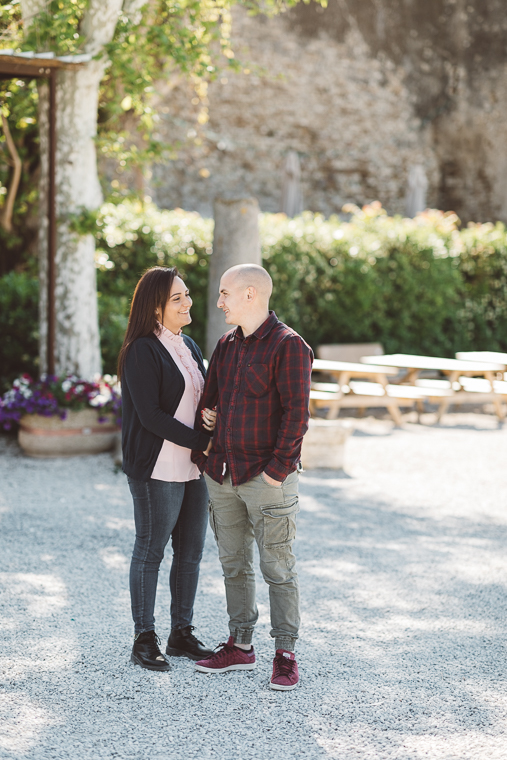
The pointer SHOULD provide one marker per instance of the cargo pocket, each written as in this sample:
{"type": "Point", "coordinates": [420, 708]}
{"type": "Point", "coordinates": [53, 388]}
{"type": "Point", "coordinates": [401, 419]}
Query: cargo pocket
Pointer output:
{"type": "Point", "coordinates": [280, 523]}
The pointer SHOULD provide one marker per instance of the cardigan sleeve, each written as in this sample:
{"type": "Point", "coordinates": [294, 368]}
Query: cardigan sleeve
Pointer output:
{"type": "Point", "coordinates": [142, 375]}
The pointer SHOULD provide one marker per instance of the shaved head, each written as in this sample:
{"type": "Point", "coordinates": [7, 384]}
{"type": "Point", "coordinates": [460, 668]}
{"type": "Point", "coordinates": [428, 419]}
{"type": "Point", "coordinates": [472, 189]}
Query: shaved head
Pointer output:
{"type": "Point", "coordinates": [250, 276]}
{"type": "Point", "coordinates": [244, 296]}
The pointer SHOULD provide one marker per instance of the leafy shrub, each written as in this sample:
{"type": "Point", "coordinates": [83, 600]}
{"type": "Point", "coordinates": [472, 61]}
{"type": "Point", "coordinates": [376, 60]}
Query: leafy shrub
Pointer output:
{"type": "Point", "coordinates": [19, 328]}
{"type": "Point", "coordinates": [130, 239]}
{"type": "Point", "coordinates": [375, 278]}
{"type": "Point", "coordinates": [415, 285]}
{"type": "Point", "coordinates": [483, 268]}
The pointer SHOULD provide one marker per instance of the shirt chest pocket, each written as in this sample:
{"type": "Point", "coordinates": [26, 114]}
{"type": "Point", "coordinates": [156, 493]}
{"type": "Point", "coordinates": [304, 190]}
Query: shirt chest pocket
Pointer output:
{"type": "Point", "coordinates": [256, 380]}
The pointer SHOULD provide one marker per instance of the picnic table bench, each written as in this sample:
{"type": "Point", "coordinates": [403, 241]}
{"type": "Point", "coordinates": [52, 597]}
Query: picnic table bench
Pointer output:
{"type": "Point", "coordinates": [358, 386]}
{"type": "Point", "coordinates": [460, 386]}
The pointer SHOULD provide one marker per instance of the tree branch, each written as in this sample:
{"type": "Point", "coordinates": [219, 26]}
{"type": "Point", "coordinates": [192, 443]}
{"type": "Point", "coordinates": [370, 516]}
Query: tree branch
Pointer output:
{"type": "Point", "coordinates": [6, 218]}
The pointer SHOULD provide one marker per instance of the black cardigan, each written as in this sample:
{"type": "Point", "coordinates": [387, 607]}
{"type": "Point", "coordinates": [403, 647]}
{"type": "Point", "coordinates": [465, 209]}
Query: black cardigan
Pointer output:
{"type": "Point", "coordinates": [151, 388]}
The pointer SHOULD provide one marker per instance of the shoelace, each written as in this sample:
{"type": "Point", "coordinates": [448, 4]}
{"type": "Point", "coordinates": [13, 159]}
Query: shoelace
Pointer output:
{"type": "Point", "coordinates": [222, 650]}
{"type": "Point", "coordinates": [154, 645]}
{"type": "Point", "coordinates": [191, 636]}
{"type": "Point", "coordinates": [284, 666]}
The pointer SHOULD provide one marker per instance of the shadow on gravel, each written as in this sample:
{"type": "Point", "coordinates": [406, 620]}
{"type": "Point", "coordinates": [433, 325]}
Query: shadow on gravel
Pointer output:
{"type": "Point", "coordinates": [402, 650]}
{"type": "Point", "coordinates": [405, 609]}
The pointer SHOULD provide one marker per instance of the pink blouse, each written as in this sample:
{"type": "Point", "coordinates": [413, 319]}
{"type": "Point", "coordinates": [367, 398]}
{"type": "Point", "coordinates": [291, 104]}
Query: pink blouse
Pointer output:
{"type": "Point", "coordinates": [173, 463]}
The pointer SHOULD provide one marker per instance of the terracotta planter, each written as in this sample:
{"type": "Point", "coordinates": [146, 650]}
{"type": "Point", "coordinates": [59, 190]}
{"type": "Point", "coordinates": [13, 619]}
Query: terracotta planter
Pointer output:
{"type": "Point", "coordinates": [79, 433]}
{"type": "Point", "coordinates": [324, 444]}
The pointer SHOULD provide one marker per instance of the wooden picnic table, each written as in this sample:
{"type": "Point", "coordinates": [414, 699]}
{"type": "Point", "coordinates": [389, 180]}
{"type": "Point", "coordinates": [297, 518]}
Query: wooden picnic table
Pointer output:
{"type": "Point", "coordinates": [454, 369]}
{"type": "Point", "coordinates": [483, 356]}
{"type": "Point", "coordinates": [345, 392]}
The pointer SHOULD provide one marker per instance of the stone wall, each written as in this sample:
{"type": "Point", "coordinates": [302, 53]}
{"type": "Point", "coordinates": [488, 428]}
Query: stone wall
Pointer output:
{"type": "Point", "coordinates": [362, 91]}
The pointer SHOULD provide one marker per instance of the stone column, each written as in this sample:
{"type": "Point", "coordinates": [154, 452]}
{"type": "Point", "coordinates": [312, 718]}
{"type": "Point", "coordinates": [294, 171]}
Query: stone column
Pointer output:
{"type": "Point", "coordinates": [235, 241]}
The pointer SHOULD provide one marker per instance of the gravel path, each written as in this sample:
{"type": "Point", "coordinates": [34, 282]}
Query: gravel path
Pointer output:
{"type": "Point", "coordinates": [403, 567]}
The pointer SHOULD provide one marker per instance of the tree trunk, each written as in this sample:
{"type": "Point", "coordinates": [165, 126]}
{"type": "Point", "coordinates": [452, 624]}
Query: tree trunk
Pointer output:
{"type": "Point", "coordinates": [235, 241]}
{"type": "Point", "coordinates": [77, 346]}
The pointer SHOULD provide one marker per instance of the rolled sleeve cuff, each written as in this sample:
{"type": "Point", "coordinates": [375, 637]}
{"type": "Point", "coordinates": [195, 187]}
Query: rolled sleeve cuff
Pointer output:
{"type": "Point", "coordinates": [199, 459]}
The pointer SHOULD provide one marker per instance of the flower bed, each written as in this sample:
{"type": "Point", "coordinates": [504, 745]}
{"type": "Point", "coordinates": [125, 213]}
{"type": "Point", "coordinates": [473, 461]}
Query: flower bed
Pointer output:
{"type": "Point", "coordinates": [62, 416]}
{"type": "Point", "coordinates": [52, 396]}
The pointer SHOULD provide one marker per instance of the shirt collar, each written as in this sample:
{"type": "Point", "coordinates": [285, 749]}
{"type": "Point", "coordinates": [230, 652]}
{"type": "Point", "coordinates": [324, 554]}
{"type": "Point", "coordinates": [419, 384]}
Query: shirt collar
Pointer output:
{"type": "Point", "coordinates": [261, 331]}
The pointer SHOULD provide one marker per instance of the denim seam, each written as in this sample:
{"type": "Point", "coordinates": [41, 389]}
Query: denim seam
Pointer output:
{"type": "Point", "coordinates": [148, 544]}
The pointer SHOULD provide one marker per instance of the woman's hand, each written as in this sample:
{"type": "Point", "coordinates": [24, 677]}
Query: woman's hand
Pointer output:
{"type": "Point", "coordinates": [209, 419]}
{"type": "Point", "coordinates": [208, 447]}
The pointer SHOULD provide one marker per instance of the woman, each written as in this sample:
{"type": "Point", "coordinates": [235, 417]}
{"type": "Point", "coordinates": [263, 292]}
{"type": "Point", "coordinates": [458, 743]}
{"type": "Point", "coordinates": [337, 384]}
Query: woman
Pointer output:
{"type": "Point", "coordinates": [162, 377]}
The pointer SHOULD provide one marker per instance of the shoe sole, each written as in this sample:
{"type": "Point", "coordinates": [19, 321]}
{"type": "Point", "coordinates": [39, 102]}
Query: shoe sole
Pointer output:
{"type": "Point", "coordinates": [163, 669]}
{"type": "Point", "coordinates": [204, 669]}
{"type": "Point", "coordinates": [279, 687]}
{"type": "Point", "coordinates": [180, 653]}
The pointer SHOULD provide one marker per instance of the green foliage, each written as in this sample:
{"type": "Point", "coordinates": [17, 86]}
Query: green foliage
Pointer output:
{"type": "Point", "coordinates": [19, 343]}
{"type": "Point", "coordinates": [376, 278]}
{"type": "Point", "coordinates": [18, 103]}
{"type": "Point", "coordinates": [415, 285]}
{"type": "Point", "coordinates": [192, 37]}
{"type": "Point", "coordinates": [483, 266]}
{"type": "Point", "coordinates": [132, 237]}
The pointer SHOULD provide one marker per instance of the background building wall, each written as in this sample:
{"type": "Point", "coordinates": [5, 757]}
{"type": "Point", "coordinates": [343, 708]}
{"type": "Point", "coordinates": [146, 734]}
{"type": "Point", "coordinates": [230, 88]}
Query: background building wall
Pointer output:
{"type": "Point", "coordinates": [362, 91]}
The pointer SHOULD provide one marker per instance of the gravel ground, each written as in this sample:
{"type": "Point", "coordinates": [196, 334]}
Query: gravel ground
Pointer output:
{"type": "Point", "coordinates": [403, 570]}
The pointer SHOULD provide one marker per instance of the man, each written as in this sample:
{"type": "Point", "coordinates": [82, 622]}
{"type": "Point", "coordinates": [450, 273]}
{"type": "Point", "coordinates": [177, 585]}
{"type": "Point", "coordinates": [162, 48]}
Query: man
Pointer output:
{"type": "Point", "coordinates": [259, 380]}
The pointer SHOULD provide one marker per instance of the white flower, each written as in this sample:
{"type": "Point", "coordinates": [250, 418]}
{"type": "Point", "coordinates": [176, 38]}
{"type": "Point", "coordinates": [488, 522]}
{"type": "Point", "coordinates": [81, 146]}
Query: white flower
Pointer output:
{"type": "Point", "coordinates": [79, 388]}
{"type": "Point", "coordinates": [66, 386]}
{"type": "Point", "coordinates": [98, 400]}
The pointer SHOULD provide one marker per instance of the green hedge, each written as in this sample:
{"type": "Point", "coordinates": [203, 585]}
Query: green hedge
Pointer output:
{"type": "Point", "coordinates": [416, 286]}
{"type": "Point", "coordinates": [19, 329]}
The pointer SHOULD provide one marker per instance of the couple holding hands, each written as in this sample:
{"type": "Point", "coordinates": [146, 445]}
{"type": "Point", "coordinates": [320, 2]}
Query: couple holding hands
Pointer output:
{"type": "Point", "coordinates": [227, 440]}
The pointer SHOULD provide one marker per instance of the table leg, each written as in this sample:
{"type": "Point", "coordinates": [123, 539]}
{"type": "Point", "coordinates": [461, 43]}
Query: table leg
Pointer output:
{"type": "Point", "coordinates": [497, 401]}
{"type": "Point", "coordinates": [334, 405]}
{"type": "Point", "coordinates": [447, 402]}
{"type": "Point", "coordinates": [394, 411]}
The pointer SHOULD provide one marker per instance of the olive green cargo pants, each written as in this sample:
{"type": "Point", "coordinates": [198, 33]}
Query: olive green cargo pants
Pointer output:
{"type": "Point", "coordinates": [267, 514]}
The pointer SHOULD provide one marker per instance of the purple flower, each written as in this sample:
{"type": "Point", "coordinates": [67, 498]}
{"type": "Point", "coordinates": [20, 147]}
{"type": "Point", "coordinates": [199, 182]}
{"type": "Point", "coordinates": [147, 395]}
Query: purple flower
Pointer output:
{"type": "Point", "coordinates": [53, 396]}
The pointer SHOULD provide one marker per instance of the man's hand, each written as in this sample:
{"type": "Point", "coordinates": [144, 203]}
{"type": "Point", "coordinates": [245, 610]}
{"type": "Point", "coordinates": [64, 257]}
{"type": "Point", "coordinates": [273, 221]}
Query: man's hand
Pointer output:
{"type": "Point", "coordinates": [208, 447]}
{"type": "Point", "coordinates": [271, 481]}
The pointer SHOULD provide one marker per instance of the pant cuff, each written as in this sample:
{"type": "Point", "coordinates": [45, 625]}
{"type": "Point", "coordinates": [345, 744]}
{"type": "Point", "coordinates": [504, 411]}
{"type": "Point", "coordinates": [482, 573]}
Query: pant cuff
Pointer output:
{"type": "Point", "coordinates": [286, 642]}
{"type": "Point", "coordinates": [242, 636]}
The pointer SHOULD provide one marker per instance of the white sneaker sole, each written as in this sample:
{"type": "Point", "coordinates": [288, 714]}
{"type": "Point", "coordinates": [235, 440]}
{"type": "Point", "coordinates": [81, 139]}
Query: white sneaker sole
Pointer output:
{"type": "Point", "coordinates": [204, 669]}
{"type": "Point", "coordinates": [279, 687]}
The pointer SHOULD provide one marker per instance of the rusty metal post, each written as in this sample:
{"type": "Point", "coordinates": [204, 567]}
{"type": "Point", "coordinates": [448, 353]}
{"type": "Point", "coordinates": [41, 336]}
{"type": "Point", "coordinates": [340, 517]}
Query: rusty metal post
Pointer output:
{"type": "Point", "coordinates": [51, 224]}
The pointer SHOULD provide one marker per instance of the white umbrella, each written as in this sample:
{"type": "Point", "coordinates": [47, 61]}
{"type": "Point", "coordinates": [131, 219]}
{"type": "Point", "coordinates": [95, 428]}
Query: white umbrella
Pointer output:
{"type": "Point", "coordinates": [292, 197]}
{"type": "Point", "coordinates": [416, 191]}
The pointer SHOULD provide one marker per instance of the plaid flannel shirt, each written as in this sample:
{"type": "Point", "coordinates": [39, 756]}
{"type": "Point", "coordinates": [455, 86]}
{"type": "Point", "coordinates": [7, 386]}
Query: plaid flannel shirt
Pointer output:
{"type": "Point", "coordinates": [261, 388]}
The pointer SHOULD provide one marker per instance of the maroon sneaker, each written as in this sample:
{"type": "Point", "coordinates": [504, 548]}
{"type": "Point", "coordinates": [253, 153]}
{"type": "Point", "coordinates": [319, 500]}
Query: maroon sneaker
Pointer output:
{"type": "Point", "coordinates": [227, 658]}
{"type": "Point", "coordinates": [285, 671]}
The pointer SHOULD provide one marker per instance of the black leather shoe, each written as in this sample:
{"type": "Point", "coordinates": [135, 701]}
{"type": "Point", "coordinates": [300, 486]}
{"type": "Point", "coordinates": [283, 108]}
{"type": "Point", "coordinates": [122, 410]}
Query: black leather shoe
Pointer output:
{"type": "Point", "coordinates": [147, 654]}
{"type": "Point", "coordinates": [183, 643]}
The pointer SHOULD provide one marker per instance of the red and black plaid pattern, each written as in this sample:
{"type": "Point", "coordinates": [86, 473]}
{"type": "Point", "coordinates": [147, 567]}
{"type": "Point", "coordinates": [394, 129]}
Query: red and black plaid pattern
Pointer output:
{"type": "Point", "coordinates": [261, 388]}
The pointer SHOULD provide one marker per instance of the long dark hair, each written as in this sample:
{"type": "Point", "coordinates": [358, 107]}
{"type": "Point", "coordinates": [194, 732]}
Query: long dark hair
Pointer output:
{"type": "Point", "coordinates": [151, 293]}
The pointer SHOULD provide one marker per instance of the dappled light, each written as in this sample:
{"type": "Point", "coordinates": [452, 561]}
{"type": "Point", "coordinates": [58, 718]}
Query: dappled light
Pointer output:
{"type": "Point", "coordinates": [402, 567]}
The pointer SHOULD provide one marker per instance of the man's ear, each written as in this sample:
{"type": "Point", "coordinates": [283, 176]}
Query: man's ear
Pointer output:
{"type": "Point", "coordinates": [250, 293]}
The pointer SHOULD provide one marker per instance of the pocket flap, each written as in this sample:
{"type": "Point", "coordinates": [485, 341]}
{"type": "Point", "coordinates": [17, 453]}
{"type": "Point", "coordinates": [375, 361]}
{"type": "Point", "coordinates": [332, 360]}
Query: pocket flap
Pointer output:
{"type": "Point", "coordinates": [282, 510]}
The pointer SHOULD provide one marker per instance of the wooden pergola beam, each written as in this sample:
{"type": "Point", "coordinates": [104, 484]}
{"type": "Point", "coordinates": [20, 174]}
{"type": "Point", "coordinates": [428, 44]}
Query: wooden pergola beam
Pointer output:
{"type": "Point", "coordinates": [21, 67]}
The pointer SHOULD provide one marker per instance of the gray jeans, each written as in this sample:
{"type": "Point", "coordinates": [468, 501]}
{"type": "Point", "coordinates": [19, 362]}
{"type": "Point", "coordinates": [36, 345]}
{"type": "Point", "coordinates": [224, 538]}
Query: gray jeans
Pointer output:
{"type": "Point", "coordinates": [267, 514]}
